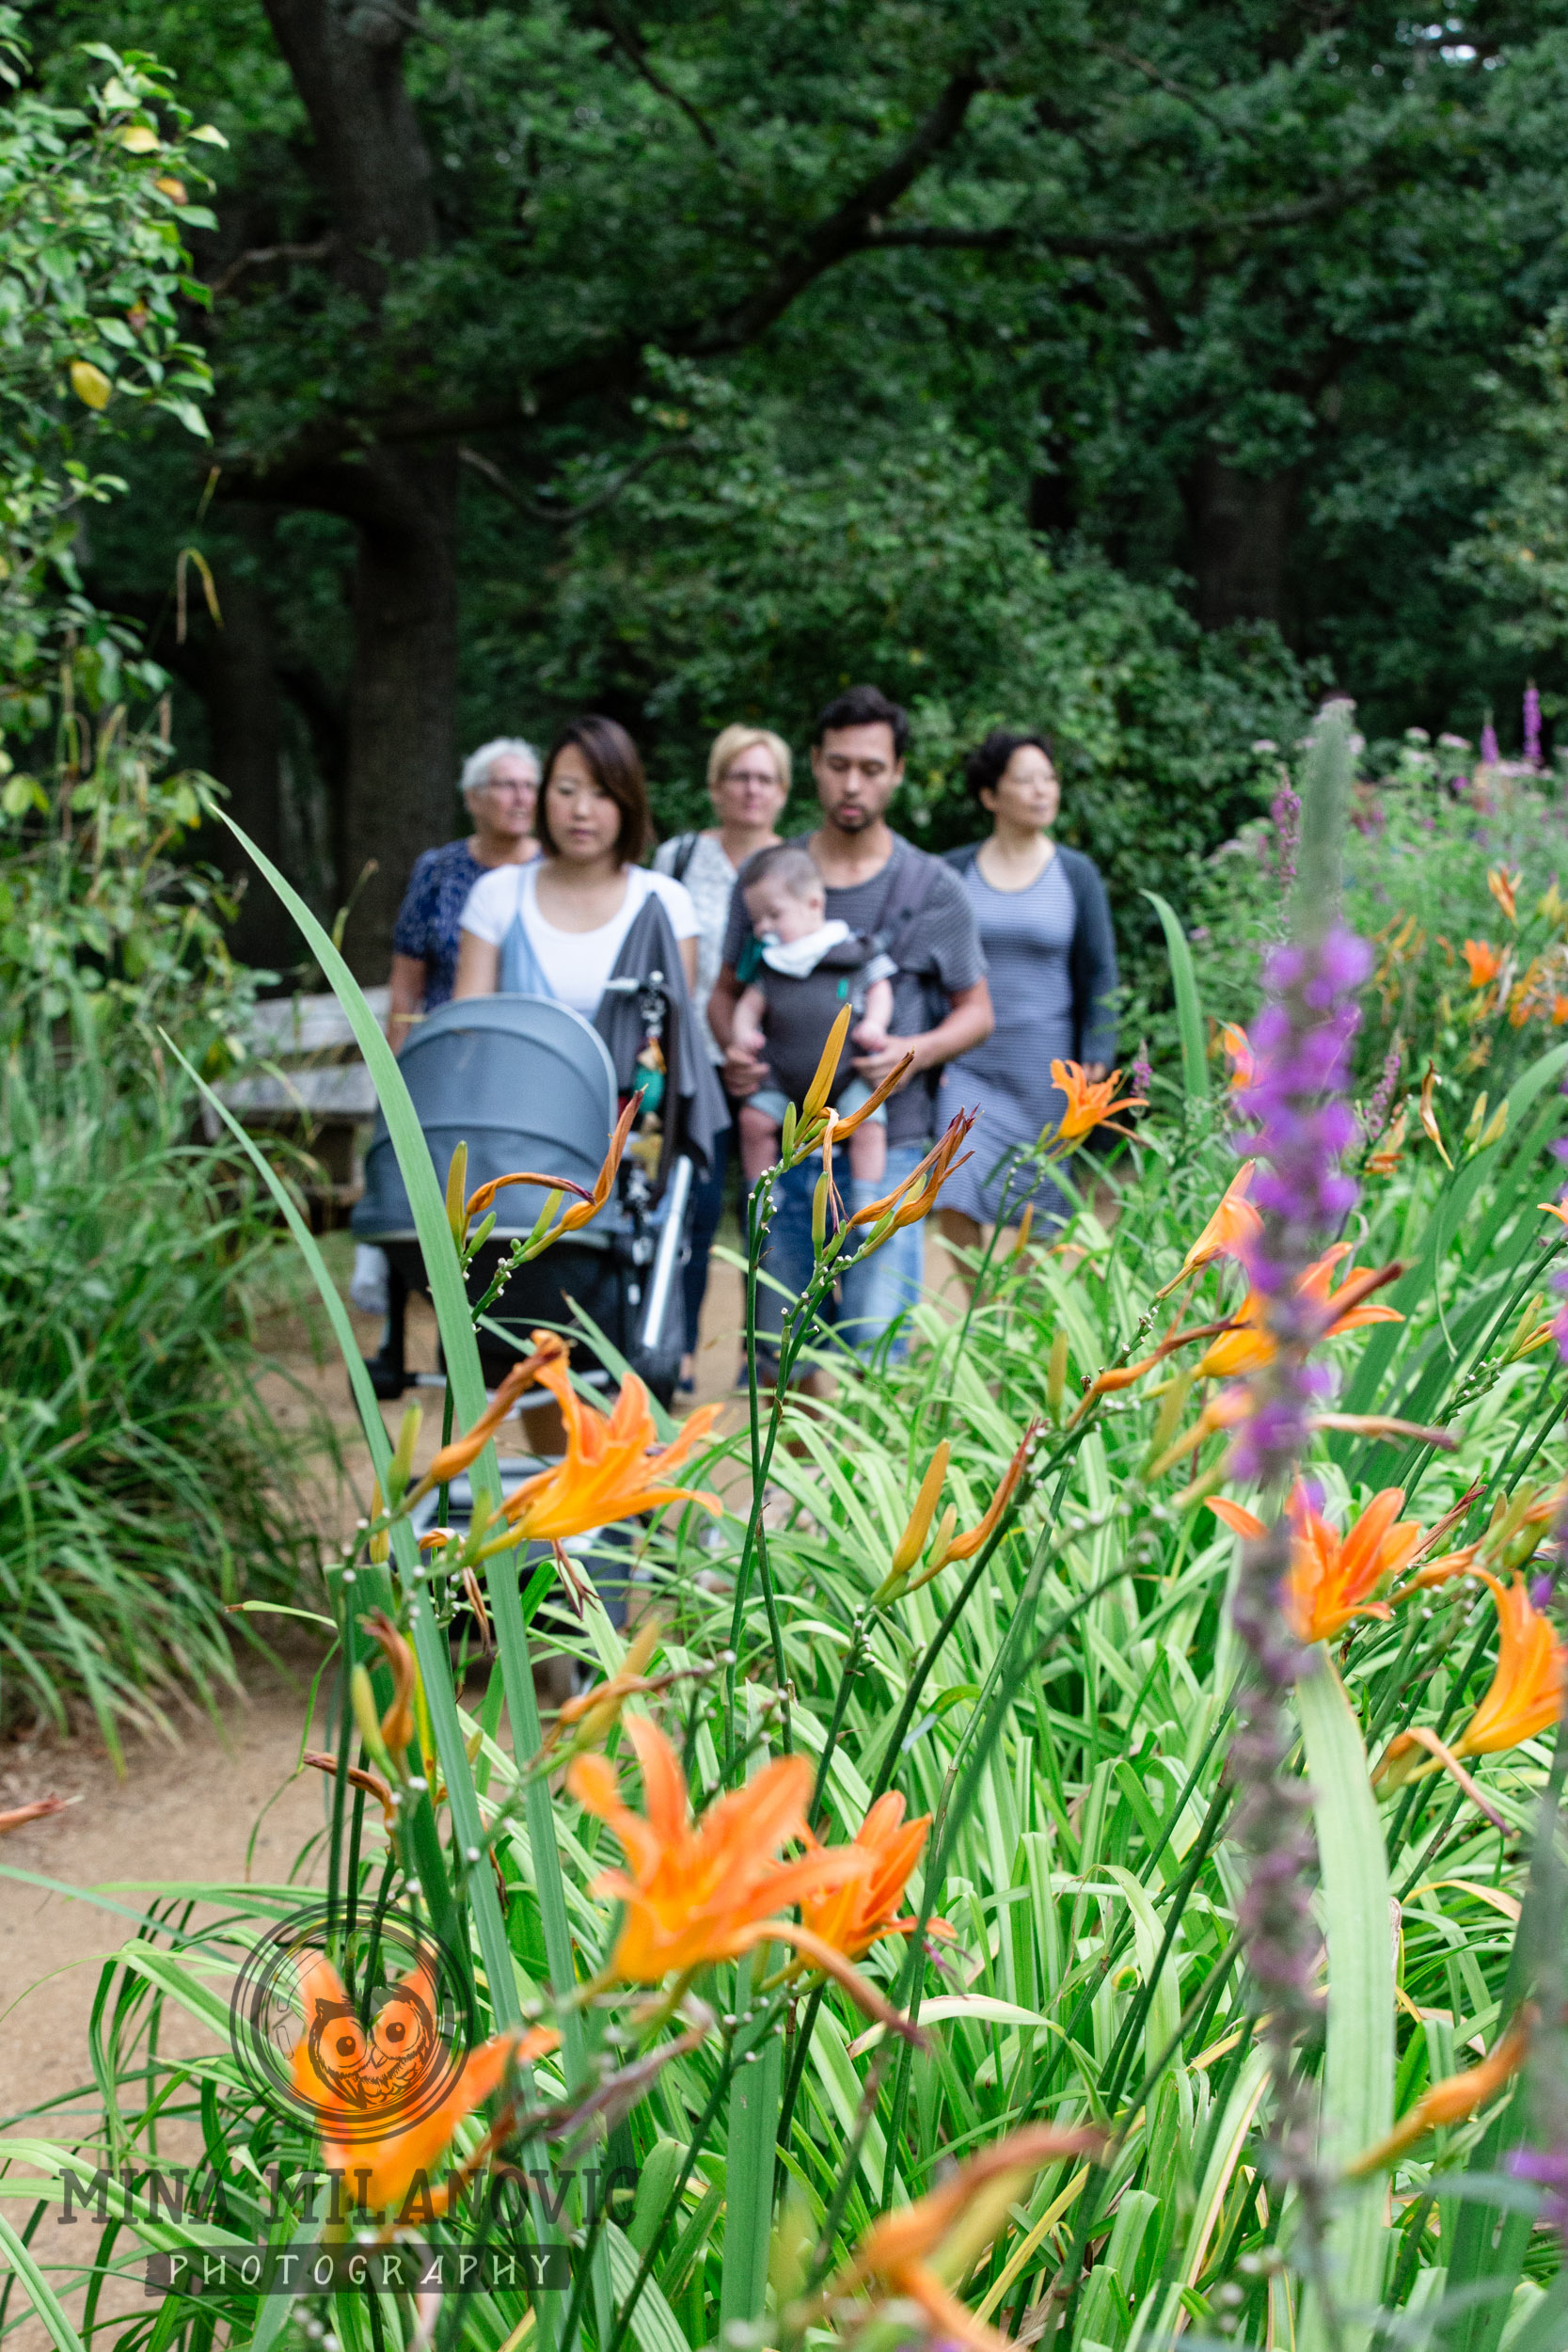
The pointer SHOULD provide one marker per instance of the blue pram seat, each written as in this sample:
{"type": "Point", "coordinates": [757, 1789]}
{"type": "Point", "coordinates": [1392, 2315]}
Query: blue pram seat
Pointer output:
{"type": "Point", "coordinates": [526, 1083]}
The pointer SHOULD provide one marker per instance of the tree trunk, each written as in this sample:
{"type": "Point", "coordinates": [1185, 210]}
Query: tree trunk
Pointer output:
{"type": "Point", "coordinates": [1240, 532]}
{"type": "Point", "coordinates": [401, 793]}
{"type": "Point", "coordinates": [240, 688]}
{"type": "Point", "coordinates": [374, 169]}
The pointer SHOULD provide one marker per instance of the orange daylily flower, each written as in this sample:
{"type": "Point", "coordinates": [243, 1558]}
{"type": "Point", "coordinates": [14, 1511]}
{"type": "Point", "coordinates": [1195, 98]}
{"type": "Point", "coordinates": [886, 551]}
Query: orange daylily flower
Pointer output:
{"type": "Point", "coordinates": [917, 2252]}
{"type": "Point", "coordinates": [1233, 1224]}
{"type": "Point", "coordinates": [1428, 1116]}
{"type": "Point", "coordinates": [698, 1892]}
{"type": "Point", "coordinates": [852, 1916]}
{"type": "Point", "coordinates": [1384, 1161]}
{"type": "Point", "coordinates": [1333, 1577]}
{"type": "Point", "coordinates": [964, 1547]}
{"type": "Point", "coordinates": [1449, 2100]}
{"type": "Point", "coordinates": [1559, 1011]}
{"type": "Point", "coordinates": [614, 1468]}
{"type": "Point", "coordinates": [594, 1714]}
{"type": "Point", "coordinates": [1238, 1054]}
{"type": "Point", "coordinates": [452, 1459]}
{"type": "Point", "coordinates": [1554, 1208]}
{"type": "Point", "coordinates": [587, 1205]}
{"type": "Point", "coordinates": [1502, 885]}
{"type": "Point", "coordinates": [909, 1202]}
{"type": "Point", "coordinates": [1526, 1694]}
{"type": "Point", "coordinates": [1089, 1103]}
{"type": "Point", "coordinates": [352, 2083]}
{"type": "Point", "coordinates": [1250, 1342]}
{"type": "Point", "coordinates": [39, 1810]}
{"type": "Point", "coordinates": [371, 1783]}
{"type": "Point", "coordinates": [1485, 961]}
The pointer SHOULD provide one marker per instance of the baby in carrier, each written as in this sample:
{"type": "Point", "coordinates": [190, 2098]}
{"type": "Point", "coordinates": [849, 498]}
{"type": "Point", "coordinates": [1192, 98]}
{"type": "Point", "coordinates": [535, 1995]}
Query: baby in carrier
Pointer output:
{"type": "Point", "coordinates": [798, 975]}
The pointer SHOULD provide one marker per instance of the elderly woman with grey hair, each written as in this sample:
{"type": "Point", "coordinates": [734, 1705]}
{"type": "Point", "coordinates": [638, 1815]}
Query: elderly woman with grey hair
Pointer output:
{"type": "Point", "coordinates": [500, 788]}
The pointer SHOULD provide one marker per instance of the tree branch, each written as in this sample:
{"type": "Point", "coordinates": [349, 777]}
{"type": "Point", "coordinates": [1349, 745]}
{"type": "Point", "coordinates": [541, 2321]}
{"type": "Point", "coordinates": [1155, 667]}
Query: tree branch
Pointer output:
{"type": "Point", "coordinates": [322, 250]}
{"type": "Point", "coordinates": [313, 472]}
{"type": "Point", "coordinates": [629, 42]}
{"type": "Point", "coordinates": [1107, 243]}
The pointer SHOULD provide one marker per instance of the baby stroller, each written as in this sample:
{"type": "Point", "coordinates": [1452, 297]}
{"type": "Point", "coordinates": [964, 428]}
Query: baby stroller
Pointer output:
{"type": "Point", "coordinates": [527, 1083]}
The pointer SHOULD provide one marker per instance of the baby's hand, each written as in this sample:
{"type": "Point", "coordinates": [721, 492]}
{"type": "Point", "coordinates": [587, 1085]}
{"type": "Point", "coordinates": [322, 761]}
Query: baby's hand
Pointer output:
{"type": "Point", "coordinates": [871, 1034]}
{"type": "Point", "coordinates": [750, 1041]}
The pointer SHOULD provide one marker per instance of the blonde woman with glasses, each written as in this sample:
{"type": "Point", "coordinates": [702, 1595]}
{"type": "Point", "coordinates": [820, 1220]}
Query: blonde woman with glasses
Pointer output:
{"type": "Point", "coordinates": [748, 782]}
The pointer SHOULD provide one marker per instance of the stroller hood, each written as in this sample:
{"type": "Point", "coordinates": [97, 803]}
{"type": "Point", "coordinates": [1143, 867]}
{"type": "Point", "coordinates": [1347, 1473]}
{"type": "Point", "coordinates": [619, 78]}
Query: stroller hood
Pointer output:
{"type": "Point", "coordinates": [524, 1081]}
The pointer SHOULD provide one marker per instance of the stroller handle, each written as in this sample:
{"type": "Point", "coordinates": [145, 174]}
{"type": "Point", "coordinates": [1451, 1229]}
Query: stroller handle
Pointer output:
{"type": "Point", "coordinates": [667, 1257]}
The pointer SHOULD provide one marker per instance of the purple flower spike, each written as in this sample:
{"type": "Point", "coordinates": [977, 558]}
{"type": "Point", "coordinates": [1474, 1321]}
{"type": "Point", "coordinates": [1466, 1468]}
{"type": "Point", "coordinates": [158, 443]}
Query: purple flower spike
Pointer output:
{"type": "Point", "coordinates": [1303, 1125]}
{"type": "Point", "coordinates": [1490, 754]}
{"type": "Point", "coordinates": [1285, 811]}
{"type": "Point", "coordinates": [1532, 727]}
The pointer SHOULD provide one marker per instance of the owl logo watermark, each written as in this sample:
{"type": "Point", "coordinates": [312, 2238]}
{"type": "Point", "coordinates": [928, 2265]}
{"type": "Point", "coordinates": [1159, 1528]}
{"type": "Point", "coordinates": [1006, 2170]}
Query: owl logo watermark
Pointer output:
{"type": "Point", "coordinates": [361, 2026]}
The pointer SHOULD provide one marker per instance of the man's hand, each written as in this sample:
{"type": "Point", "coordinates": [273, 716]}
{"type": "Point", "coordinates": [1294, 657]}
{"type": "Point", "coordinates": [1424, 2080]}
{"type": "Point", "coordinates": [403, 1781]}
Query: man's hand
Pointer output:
{"type": "Point", "coordinates": [745, 1072]}
{"type": "Point", "coordinates": [876, 1066]}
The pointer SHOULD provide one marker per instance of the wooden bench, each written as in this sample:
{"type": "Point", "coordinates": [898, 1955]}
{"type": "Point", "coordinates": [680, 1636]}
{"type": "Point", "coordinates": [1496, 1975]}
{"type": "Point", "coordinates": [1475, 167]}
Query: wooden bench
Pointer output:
{"type": "Point", "coordinates": [305, 1080]}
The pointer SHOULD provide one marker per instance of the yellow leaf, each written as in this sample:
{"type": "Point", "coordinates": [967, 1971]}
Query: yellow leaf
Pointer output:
{"type": "Point", "coordinates": [173, 189]}
{"type": "Point", "coordinates": [90, 384]}
{"type": "Point", "coordinates": [139, 139]}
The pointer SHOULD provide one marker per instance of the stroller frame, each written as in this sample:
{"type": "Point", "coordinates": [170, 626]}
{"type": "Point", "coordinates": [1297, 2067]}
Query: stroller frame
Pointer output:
{"type": "Point", "coordinates": [525, 1082]}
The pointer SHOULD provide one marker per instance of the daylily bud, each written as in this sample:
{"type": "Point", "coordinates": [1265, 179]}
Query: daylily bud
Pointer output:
{"type": "Point", "coordinates": [401, 1469]}
{"type": "Point", "coordinates": [815, 1099]}
{"type": "Point", "coordinates": [380, 1545]}
{"type": "Point", "coordinates": [398, 1723]}
{"type": "Point", "coordinates": [786, 1132]}
{"type": "Point", "coordinates": [1496, 1129]}
{"type": "Point", "coordinates": [819, 1213]}
{"type": "Point", "coordinates": [457, 1185]}
{"type": "Point", "coordinates": [912, 1541]}
{"type": "Point", "coordinates": [1172, 1406]}
{"type": "Point", "coordinates": [363, 1700]}
{"type": "Point", "coordinates": [1024, 1222]}
{"type": "Point", "coordinates": [1472, 1127]}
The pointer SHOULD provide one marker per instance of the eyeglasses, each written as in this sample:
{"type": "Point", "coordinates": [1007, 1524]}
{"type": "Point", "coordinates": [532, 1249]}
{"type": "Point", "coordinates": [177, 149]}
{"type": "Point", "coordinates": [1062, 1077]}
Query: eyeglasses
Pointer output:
{"type": "Point", "coordinates": [513, 785]}
{"type": "Point", "coordinates": [751, 775]}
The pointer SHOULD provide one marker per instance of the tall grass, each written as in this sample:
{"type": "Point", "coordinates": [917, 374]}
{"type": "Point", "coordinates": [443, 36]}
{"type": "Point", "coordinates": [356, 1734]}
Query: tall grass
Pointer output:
{"type": "Point", "coordinates": [1061, 1701]}
{"type": "Point", "coordinates": [144, 1484]}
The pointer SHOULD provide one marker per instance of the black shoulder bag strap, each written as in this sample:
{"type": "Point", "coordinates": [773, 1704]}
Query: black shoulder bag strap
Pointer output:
{"type": "Point", "coordinates": [686, 849]}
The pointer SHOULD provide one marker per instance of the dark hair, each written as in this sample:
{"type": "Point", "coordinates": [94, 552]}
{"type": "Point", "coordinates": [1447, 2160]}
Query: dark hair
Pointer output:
{"type": "Point", "coordinates": [864, 707]}
{"type": "Point", "coordinates": [616, 768]}
{"type": "Point", "coordinates": [987, 764]}
{"type": "Point", "coordinates": [791, 865]}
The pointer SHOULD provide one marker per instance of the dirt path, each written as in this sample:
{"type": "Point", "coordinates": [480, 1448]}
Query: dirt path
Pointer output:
{"type": "Point", "coordinates": [191, 1812]}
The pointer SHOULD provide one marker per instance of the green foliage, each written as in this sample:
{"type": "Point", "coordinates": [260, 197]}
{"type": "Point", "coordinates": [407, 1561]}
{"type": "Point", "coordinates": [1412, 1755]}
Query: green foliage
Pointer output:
{"type": "Point", "coordinates": [93, 270]}
{"type": "Point", "coordinates": [100, 917]}
{"type": "Point", "coordinates": [1060, 1702]}
{"type": "Point", "coordinates": [1425, 836]}
{"type": "Point", "coordinates": [1172, 275]}
{"type": "Point", "coordinates": [144, 1484]}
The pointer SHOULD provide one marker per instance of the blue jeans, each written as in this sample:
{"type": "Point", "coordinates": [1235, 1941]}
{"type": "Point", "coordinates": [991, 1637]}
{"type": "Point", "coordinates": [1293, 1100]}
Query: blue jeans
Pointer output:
{"type": "Point", "coordinates": [707, 1207]}
{"type": "Point", "coordinates": [874, 1294]}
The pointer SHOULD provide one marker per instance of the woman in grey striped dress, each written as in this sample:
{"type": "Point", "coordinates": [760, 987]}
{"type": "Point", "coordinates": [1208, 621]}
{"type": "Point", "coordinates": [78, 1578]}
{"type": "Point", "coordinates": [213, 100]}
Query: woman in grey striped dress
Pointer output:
{"type": "Point", "coordinates": [1045, 926]}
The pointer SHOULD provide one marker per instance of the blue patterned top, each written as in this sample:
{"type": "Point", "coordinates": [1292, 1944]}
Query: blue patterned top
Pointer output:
{"type": "Point", "coordinates": [432, 913]}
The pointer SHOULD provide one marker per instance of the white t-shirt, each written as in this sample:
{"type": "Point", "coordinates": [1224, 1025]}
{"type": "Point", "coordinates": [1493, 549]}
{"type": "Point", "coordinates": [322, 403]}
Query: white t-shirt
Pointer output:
{"type": "Point", "coordinates": [576, 964]}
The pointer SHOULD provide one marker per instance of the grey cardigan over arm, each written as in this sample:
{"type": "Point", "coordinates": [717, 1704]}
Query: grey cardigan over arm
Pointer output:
{"type": "Point", "coordinates": [1091, 959]}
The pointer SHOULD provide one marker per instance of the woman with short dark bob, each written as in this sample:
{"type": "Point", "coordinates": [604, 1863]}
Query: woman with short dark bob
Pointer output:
{"type": "Point", "coordinates": [1045, 926]}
